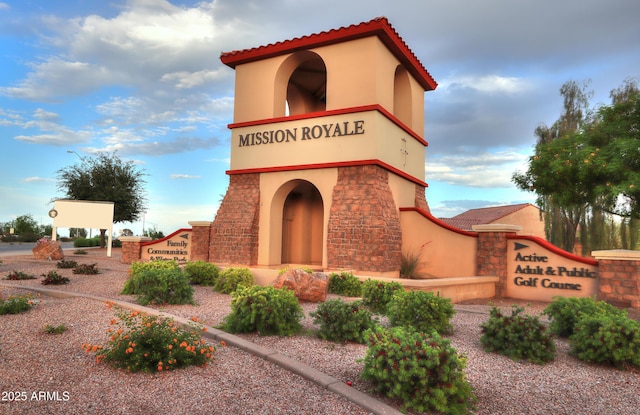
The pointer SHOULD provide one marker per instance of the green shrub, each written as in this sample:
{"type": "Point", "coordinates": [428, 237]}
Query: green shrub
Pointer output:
{"type": "Point", "coordinates": [201, 272]}
{"type": "Point", "coordinates": [345, 283]}
{"type": "Point", "coordinates": [137, 268]}
{"type": "Point", "coordinates": [15, 304]}
{"type": "Point", "coordinates": [231, 279]}
{"type": "Point", "coordinates": [53, 278]}
{"type": "Point", "coordinates": [167, 286]}
{"type": "Point", "coordinates": [64, 264]}
{"type": "Point", "coordinates": [421, 370]}
{"type": "Point", "coordinates": [377, 294]}
{"type": "Point", "coordinates": [49, 329]}
{"type": "Point", "coordinates": [517, 336]}
{"type": "Point", "coordinates": [82, 243]}
{"type": "Point", "coordinates": [144, 343]}
{"type": "Point", "coordinates": [341, 321]}
{"type": "Point", "coordinates": [606, 338]}
{"type": "Point", "coordinates": [421, 310]}
{"type": "Point", "coordinates": [564, 313]}
{"type": "Point", "coordinates": [19, 275]}
{"type": "Point", "coordinates": [265, 310]}
{"type": "Point", "coordinates": [86, 269]}
{"type": "Point", "coordinates": [286, 269]}
{"type": "Point", "coordinates": [80, 252]}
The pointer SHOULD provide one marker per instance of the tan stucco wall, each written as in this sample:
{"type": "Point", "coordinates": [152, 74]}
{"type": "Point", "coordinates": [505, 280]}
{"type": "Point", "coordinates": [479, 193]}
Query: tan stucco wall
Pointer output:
{"type": "Point", "coordinates": [381, 139]}
{"type": "Point", "coordinates": [549, 263]}
{"type": "Point", "coordinates": [444, 253]}
{"type": "Point", "coordinates": [275, 187]}
{"type": "Point", "coordinates": [359, 72]}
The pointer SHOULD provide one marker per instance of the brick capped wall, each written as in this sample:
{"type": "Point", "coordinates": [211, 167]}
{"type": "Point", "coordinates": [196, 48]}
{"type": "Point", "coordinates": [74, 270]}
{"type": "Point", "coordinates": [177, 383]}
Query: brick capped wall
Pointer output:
{"type": "Point", "coordinates": [492, 258]}
{"type": "Point", "coordinates": [131, 248]}
{"type": "Point", "coordinates": [200, 235]}
{"type": "Point", "coordinates": [364, 224]}
{"type": "Point", "coordinates": [421, 199]}
{"type": "Point", "coordinates": [619, 282]}
{"type": "Point", "coordinates": [234, 232]}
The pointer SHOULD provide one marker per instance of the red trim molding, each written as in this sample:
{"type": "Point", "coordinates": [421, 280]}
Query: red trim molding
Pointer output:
{"type": "Point", "coordinates": [438, 221]}
{"type": "Point", "coordinates": [376, 162]}
{"type": "Point", "coordinates": [155, 241]}
{"type": "Point", "coordinates": [351, 110]}
{"type": "Point", "coordinates": [548, 245]}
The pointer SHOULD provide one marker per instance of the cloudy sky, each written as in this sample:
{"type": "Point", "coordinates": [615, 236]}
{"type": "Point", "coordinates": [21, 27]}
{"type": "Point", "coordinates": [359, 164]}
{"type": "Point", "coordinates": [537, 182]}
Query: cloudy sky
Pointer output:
{"type": "Point", "coordinates": [144, 77]}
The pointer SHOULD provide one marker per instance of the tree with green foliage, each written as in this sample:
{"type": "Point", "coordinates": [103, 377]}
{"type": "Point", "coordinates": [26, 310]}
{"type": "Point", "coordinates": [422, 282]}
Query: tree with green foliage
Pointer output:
{"type": "Point", "coordinates": [106, 177]}
{"type": "Point", "coordinates": [586, 167]}
{"type": "Point", "coordinates": [25, 228]}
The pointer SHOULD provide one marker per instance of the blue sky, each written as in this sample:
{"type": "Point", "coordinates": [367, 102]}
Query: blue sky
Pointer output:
{"type": "Point", "coordinates": [144, 77]}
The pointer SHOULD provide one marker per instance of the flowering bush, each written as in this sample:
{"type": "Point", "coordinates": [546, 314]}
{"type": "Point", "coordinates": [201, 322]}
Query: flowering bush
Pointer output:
{"type": "Point", "coordinates": [15, 304]}
{"type": "Point", "coordinates": [377, 294]}
{"type": "Point", "coordinates": [143, 343]}
{"type": "Point", "coordinates": [266, 310]}
{"type": "Point", "coordinates": [341, 321]}
{"type": "Point", "coordinates": [607, 338]}
{"type": "Point", "coordinates": [517, 336]}
{"type": "Point", "coordinates": [19, 275]}
{"type": "Point", "coordinates": [63, 263]}
{"type": "Point", "coordinates": [86, 269]}
{"type": "Point", "coordinates": [421, 310]}
{"type": "Point", "coordinates": [53, 278]}
{"type": "Point", "coordinates": [566, 312]}
{"type": "Point", "coordinates": [345, 283]}
{"type": "Point", "coordinates": [422, 370]}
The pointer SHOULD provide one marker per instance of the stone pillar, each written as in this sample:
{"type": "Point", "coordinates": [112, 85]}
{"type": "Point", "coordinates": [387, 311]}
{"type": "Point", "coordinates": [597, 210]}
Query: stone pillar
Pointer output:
{"type": "Point", "coordinates": [234, 231]}
{"type": "Point", "coordinates": [619, 274]}
{"type": "Point", "coordinates": [200, 237]}
{"type": "Point", "coordinates": [131, 248]}
{"type": "Point", "coordinates": [364, 224]}
{"type": "Point", "coordinates": [492, 253]}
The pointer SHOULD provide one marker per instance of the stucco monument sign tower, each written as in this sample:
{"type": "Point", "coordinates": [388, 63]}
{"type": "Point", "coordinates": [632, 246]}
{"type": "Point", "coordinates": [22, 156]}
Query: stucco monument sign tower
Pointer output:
{"type": "Point", "coordinates": [326, 146]}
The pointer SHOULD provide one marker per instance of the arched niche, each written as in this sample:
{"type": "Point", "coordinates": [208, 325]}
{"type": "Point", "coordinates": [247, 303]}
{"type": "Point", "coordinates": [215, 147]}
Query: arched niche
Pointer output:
{"type": "Point", "coordinates": [302, 219]}
{"type": "Point", "coordinates": [301, 85]}
{"type": "Point", "coordinates": [402, 102]}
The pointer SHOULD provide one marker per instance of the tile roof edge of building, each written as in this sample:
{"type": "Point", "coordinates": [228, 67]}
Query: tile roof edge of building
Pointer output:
{"type": "Point", "coordinates": [379, 26]}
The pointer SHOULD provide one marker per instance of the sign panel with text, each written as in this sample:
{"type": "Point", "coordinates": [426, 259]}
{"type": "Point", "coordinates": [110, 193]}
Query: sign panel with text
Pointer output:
{"type": "Point", "coordinates": [538, 273]}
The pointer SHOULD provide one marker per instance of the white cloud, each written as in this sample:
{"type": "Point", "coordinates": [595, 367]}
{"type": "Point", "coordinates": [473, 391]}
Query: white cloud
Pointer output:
{"type": "Point", "coordinates": [487, 170]}
{"type": "Point", "coordinates": [184, 176]}
{"type": "Point", "coordinates": [488, 84]}
{"type": "Point", "coordinates": [36, 179]}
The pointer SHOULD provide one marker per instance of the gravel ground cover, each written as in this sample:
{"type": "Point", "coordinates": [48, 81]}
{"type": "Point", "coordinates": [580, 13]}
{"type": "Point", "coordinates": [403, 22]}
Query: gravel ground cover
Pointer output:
{"type": "Point", "coordinates": [58, 377]}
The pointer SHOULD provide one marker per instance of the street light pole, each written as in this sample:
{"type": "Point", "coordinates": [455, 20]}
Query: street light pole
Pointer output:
{"type": "Point", "coordinates": [73, 152]}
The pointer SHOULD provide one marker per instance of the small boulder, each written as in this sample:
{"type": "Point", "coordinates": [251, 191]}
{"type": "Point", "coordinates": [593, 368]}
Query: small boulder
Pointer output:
{"type": "Point", "coordinates": [51, 250]}
{"type": "Point", "coordinates": [307, 287]}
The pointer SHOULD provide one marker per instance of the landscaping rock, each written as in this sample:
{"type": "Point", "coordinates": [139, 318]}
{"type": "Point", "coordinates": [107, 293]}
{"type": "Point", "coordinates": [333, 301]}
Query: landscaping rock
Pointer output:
{"type": "Point", "coordinates": [51, 250]}
{"type": "Point", "coordinates": [306, 286]}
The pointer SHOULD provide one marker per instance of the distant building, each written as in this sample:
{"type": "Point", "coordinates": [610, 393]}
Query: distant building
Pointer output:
{"type": "Point", "coordinates": [525, 215]}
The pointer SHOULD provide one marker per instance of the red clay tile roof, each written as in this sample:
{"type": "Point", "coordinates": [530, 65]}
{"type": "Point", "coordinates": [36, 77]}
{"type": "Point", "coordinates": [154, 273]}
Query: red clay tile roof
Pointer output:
{"type": "Point", "coordinates": [483, 216]}
{"type": "Point", "coordinates": [377, 27]}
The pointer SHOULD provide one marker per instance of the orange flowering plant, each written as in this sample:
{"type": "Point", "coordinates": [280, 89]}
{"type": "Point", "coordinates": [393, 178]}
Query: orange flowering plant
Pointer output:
{"type": "Point", "coordinates": [140, 342]}
{"type": "Point", "coordinates": [15, 304]}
